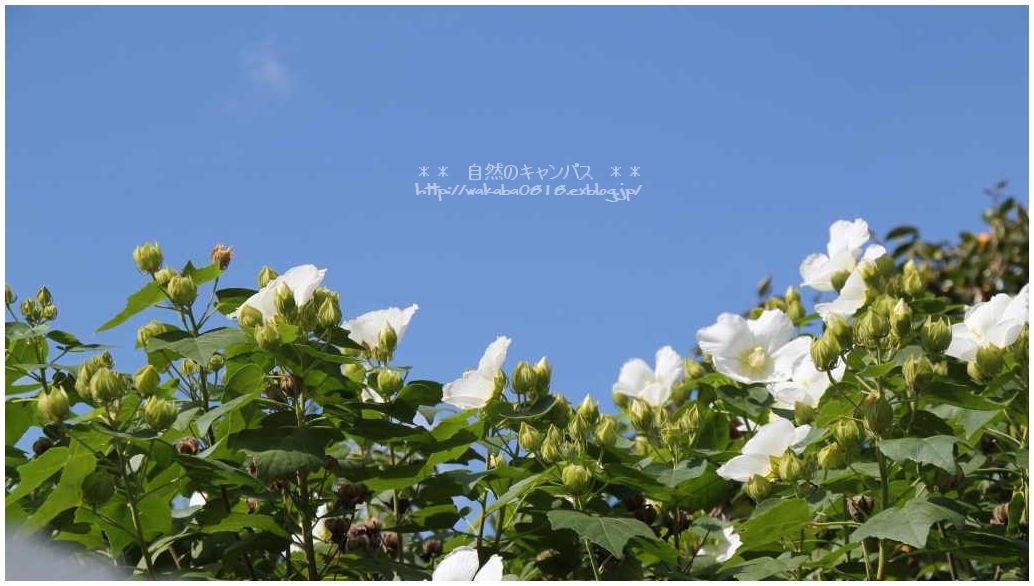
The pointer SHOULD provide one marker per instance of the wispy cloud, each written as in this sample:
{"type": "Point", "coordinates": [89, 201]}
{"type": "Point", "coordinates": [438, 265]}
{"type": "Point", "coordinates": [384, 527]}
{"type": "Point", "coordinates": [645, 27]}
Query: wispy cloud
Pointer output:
{"type": "Point", "coordinates": [266, 69]}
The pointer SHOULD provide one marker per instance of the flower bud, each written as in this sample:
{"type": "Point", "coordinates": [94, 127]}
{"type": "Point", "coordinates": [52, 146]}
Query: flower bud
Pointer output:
{"type": "Point", "coordinates": [149, 330]}
{"type": "Point", "coordinates": [757, 487]}
{"type": "Point", "coordinates": [389, 382]}
{"type": "Point", "coordinates": [795, 311]}
{"type": "Point", "coordinates": [876, 414]}
{"type": "Point", "coordinates": [98, 487]}
{"type": "Point", "coordinates": [265, 276]}
{"type": "Point", "coordinates": [1021, 348]}
{"type": "Point", "coordinates": [935, 335]}
{"type": "Point", "coordinates": [329, 314]}
{"type": "Point", "coordinates": [498, 383]}
{"type": "Point", "coordinates": [589, 410]}
{"type": "Point", "coordinates": [159, 413]}
{"type": "Point", "coordinates": [248, 317]}
{"type": "Point", "coordinates": [918, 372]}
{"type": "Point", "coordinates": [847, 433]}
{"type": "Point", "coordinates": [495, 460]}
{"type": "Point", "coordinates": [838, 329]}
{"type": "Point", "coordinates": [641, 445]}
{"type": "Point", "coordinates": [43, 297]}
{"type": "Point", "coordinates": [693, 369]}
{"type": "Point", "coordinates": [182, 290]}
{"type": "Point", "coordinates": [221, 255]}
{"type": "Point", "coordinates": [641, 415]}
{"type": "Point", "coordinates": [830, 456]}
{"type": "Point", "coordinates": [551, 445]}
{"type": "Point", "coordinates": [901, 318]}
{"type": "Point", "coordinates": [791, 296]}
{"type": "Point", "coordinates": [190, 367]}
{"type": "Point", "coordinates": [83, 376]}
{"type": "Point", "coordinates": [578, 428]}
{"type": "Point", "coordinates": [789, 467]}
{"type": "Point", "coordinates": [354, 371]}
{"type": "Point", "coordinates": [839, 279]}
{"type": "Point", "coordinates": [543, 374]}
{"type": "Point", "coordinates": [163, 276]}
{"type": "Point", "coordinates": [216, 362]}
{"type": "Point", "coordinates": [689, 422]}
{"type": "Point", "coordinates": [283, 300]}
{"type": "Point", "coordinates": [523, 379]}
{"type": "Point", "coordinates": [148, 257]}
{"type": "Point", "coordinates": [990, 360]}
{"type": "Point", "coordinates": [620, 399]}
{"type": "Point", "coordinates": [529, 438]}
{"type": "Point", "coordinates": [267, 336]}
{"type": "Point", "coordinates": [48, 312]}
{"type": "Point", "coordinates": [386, 342]}
{"type": "Point", "coordinates": [973, 370]}
{"type": "Point", "coordinates": [53, 406]}
{"type": "Point", "coordinates": [803, 413]}
{"type": "Point", "coordinates": [576, 478]}
{"type": "Point", "coordinates": [912, 279]}
{"type": "Point", "coordinates": [9, 296]}
{"type": "Point", "coordinates": [30, 309]}
{"type": "Point", "coordinates": [824, 353]}
{"type": "Point", "coordinates": [871, 327]}
{"type": "Point", "coordinates": [146, 380]}
{"type": "Point", "coordinates": [106, 386]}
{"type": "Point", "coordinates": [606, 431]}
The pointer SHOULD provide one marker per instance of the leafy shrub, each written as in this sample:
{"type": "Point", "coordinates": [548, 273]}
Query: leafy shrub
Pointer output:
{"type": "Point", "coordinates": [285, 444]}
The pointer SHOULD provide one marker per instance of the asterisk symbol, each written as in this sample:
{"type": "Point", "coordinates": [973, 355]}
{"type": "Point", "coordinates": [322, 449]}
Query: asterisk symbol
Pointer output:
{"type": "Point", "coordinates": [443, 171]}
{"type": "Point", "coordinates": [635, 171]}
{"type": "Point", "coordinates": [615, 171]}
{"type": "Point", "coordinates": [423, 171]}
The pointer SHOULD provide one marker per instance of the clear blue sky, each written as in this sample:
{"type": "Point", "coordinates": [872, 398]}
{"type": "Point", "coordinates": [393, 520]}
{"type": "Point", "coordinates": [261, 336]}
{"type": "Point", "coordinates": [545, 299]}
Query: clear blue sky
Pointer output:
{"type": "Point", "coordinates": [295, 135]}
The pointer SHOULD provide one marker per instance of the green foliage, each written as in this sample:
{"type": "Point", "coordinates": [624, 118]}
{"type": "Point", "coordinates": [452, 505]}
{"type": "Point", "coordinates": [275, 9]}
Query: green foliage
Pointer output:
{"type": "Point", "coordinates": [300, 450]}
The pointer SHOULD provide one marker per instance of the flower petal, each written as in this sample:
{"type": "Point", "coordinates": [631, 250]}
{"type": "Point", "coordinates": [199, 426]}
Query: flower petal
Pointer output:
{"type": "Point", "coordinates": [847, 236]}
{"type": "Point", "coordinates": [471, 391]}
{"type": "Point", "coordinates": [728, 337]}
{"type": "Point", "coordinates": [787, 356]}
{"type": "Point", "coordinates": [668, 369]}
{"type": "Point", "coordinates": [742, 467]}
{"type": "Point", "coordinates": [771, 439]}
{"type": "Point", "coordinates": [459, 566]}
{"type": "Point", "coordinates": [491, 571]}
{"type": "Point", "coordinates": [772, 329]}
{"type": "Point", "coordinates": [495, 355]}
{"type": "Point", "coordinates": [963, 343]}
{"type": "Point", "coordinates": [634, 377]}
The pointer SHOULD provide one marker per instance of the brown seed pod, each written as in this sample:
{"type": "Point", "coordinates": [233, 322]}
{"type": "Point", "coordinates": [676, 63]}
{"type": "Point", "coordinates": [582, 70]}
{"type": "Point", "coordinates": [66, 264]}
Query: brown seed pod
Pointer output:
{"type": "Point", "coordinates": [431, 548]}
{"type": "Point", "coordinates": [253, 505]}
{"type": "Point", "coordinates": [41, 445]}
{"type": "Point", "coordinates": [1000, 515]}
{"type": "Point", "coordinates": [647, 514]}
{"type": "Point", "coordinates": [189, 446]}
{"type": "Point", "coordinates": [859, 507]}
{"type": "Point", "coordinates": [390, 539]}
{"type": "Point", "coordinates": [351, 494]}
{"type": "Point", "coordinates": [633, 502]}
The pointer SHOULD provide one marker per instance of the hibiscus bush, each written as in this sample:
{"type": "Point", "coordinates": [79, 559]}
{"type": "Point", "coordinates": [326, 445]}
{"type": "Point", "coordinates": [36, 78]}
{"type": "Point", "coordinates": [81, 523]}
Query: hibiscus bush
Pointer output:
{"type": "Point", "coordinates": [880, 433]}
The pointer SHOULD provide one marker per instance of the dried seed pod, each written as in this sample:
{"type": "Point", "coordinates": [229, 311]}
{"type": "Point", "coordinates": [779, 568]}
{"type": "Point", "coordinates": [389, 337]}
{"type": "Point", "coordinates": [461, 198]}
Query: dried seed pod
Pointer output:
{"type": "Point", "coordinates": [431, 548]}
{"type": "Point", "coordinates": [189, 446]}
{"type": "Point", "coordinates": [859, 507]}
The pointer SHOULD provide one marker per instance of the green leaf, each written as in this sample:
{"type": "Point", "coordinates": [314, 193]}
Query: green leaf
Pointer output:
{"type": "Point", "coordinates": [908, 524]}
{"type": "Point", "coordinates": [206, 420]}
{"type": "Point", "coordinates": [68, 493]}
{"type": "Point", "coordinates": [235, 522]}
{"type": "Point", "coordinates": [938, 450]}
{"type": "Point", "coordinates": [150, 294]}
{"type": "Point", "coordinates": [279, 453]}
{"type": "Point", "coordinates": [958, 395]}
{"type": "Point", "coordinates": [18, 418]}
{"type": "Point", "coordinates": [37, 471]}
{"type": "Point", "coordinates": [199, 349]}
{"type": "Point", "coordinates": [786, 518]}
{"type": "Point", "coordinates": [610, 533]}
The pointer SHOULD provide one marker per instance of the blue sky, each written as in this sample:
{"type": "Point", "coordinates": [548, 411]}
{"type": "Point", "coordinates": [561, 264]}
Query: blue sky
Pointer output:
{"type": "Point", "coordinates": [296, 135]}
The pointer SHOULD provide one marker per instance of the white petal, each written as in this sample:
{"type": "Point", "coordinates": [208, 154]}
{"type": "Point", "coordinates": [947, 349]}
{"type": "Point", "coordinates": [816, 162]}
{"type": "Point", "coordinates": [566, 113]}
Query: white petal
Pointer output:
{"type": "Point", "coordinates": [491, 571]}
{"type": "Point", "coordinates": [494, 356]}
{"type": "Point", "coordinates": [771, 439]}
{"type": "Point", "coordinates": [1018, 307]}
{"type": "Point", "coordinates": [816, 273]}
{"type": "Point", "coordinates": [371, 396]}
{"type": "Point", "coordinates": [786, 357]}
{"type": "Point", "coordinates": [798, 436]}
{"type": "Point", "coordinates": [471, 391]}
{"type": "Point", "coordinates": [728, 337]}
{"type": "Point", "coordinates": [847, 236]}
{"type": "Point", "coordinates": [668, 368]}
{"type": "Point", "coordinates": [735, 369]}
{"type": "Point", "coordinates": [772, 329]}
{"type": "Point", "coordinates": [850, 300]}
{"type": "Point", "coordinates": [656, 394]}
{"type": "Point", "coordinates": [788, 394]}
{"type": "Point", "coordinates": [303, 281]}
{"type": "Point", "coordinates": [963, 344]}
{"type": "Point", "coordinates": [366, 329]}
{"type": "Point", "coordinates": [1004, 333]}
{"type": "Point", "coordinates": [634, 377]}
{"type": "Point", "coordinates": [459, 566]}
{"type": "Point", "coordinates": [197, 500]}
{"type": "Point", "coordinates": [742, 467]}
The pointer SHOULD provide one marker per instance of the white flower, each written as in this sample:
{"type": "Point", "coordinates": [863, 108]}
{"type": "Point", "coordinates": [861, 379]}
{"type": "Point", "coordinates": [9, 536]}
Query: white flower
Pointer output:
{"type": "Point", "coordinates": [302, 280]}
{"type": "Point", "coordinates": [845, 240]}
{"type": "Point", "coordinates": [461, 565]}
{"type": "Point", "coordinates": [754, 351]}
{"type": "Point", "coordinates": [366, 329]}
{"type": "Point", "coordinates": [197, 500]}
{"type": "Point", "coordinates": [996, 322]}
{"type": "Point", "coordinates": [724, 547]}
{"type": "Point", "coordinates": [771, 439]}
{"type": "Point", "coordinates": [639, 381]}
{"type": "Point", "coordinates": [852, 294]}
{"type": "Point", "coordinates": [475, 388]}
{"type": "Point", "coordinates": [807, 384]}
